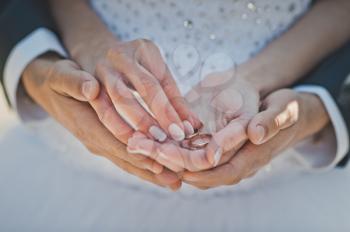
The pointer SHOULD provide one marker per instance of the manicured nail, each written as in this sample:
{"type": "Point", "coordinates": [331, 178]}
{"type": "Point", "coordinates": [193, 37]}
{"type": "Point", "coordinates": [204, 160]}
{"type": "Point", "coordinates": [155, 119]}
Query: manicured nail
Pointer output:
{"type": "Point", "coordinates": [138, 151]}
{"type": "Point", "coordinates": [157, 133]}
{"type": "Point", "coordinates": [260, 131]}
{"type": "Point", "coordinates": [217, 156]}
{"type": "Point", "coordinates": [188, 128]}
{"type": "Point", "coordinates": [88, 89]}
{"type": "Point", "coordinates": [176, 132]}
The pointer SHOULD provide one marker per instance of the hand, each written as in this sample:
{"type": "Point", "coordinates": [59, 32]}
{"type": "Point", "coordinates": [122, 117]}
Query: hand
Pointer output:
{"type": "Point", "coordinates": [126, 67]}
{"type": "Point", "coordinates": [227, 102]}
{"type": "Point", "coordinates": [303, 113]}
{"type": "Point", "coordinates": [63, 91]}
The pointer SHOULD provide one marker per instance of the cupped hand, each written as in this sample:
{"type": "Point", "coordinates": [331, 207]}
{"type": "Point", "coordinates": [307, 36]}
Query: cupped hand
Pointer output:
{"type": "Point", "coordinates": [287, 118]}
{"type": "Point", "coordinates": [63, 90]}
{"type": "Point", "coordinates": [226, 103]}
{"type": "Point", "coordinates": [127, 68]}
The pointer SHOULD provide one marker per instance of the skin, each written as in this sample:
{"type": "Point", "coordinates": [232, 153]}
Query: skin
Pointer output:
{"type": "Point", "coordinates": [122, 66]}
{"type": "Point", "coordinates": [96, 49]}
{"type": "Point", "coordinates": [229, 117]}
{"type": "Point", "coordinates": [282, 108]}
{"type": "Point", "coordinates": [58, 86]}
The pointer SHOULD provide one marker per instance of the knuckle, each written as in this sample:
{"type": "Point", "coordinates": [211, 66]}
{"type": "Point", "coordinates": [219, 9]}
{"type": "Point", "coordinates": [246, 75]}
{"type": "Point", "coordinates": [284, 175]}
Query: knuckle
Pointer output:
{"type": "Point", "coordinates": [203, 188]}
{"type": "Point", "coordinates": [80, 134]}
{"type": "Point", "coordinates": [233, 181]}
{"type": "Point", "coordinates": [168, 110]}
{"type": "Point", "coordinates": [143, 43]}
{"type": "Point", "coordinates": [113, 51]}
{"type": "Point", "coordinates": [144, 123]}
{"type": "Point", "coordinates": [118, 55]}
{"type": "Point", "coordinates": [125, 166]}
{"type": "Point", "coordinates": [101, 69]}
{"type": "Point", "coordinates": [123, 134]}
{"type": "Point", "coordinates": [106, 114]}
{"type": "Point", "coordinates": [117, 93]}
{"type": "Point", "coordinates": [93, 149]}
{"type": "Point", "coordinates": [149, 82]}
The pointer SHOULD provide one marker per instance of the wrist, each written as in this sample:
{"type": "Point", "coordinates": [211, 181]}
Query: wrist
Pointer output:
{"type": "Point", "coordinates": [263, 79]}
{"type": "Point", "coordinates": [313, 115]}
{"type": "Point", "coordinates": [265, 75]}
{"type": "Point", "coordinates": [88, 52]}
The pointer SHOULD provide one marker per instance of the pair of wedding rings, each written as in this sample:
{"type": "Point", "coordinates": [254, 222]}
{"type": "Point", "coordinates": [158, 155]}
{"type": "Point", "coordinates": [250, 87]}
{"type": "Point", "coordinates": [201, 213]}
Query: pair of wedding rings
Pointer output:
{"type": "Point", "coordinates": [197, 141]}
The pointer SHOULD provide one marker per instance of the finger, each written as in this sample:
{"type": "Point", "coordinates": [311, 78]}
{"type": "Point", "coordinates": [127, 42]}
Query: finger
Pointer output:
{"type": "Point", "coordinates": [140, 144]}
{"type": "Point", "coordinates": [229, 138]}
{"type": "Point", "coordinates": [226, 174]}
{"type": "Point", "coordinates": [128, 106]}
{"type": "Point", "coordinates": [163, 179]}
{"type": "Point", "coordinates": [152, 60]}
{"type": "Point", "coordinates": [247, 161]}
{"type": "Point", "coordinates": [281, 112]}
{"type": "Point", "coordinates": [110, 118]}
{"type": "Point", "coordinates": [169, 178]}
{"type": "Point", "coordinates": [121, 131]}
{"type": "Point", "coordinates": [153, 95]}
{"type": "Point", "coordinates": [170, 154]}
{"type": "Point", "coordinates": [101, 141]}
{"type": "Point", "coordinates": [70, 81]}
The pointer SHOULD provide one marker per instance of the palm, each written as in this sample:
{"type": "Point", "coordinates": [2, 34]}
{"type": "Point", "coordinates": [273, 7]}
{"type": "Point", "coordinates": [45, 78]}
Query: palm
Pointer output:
{"type": "Point", "coordinates": [224, 98]}
{"type": "Point", "coordinates": [223, 104]}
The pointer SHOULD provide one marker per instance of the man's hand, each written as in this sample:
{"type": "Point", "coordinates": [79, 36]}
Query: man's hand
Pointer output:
{"type": "Point", "coordinates": [63, 91]}
{"type": "Point", "coordinates": [293, 116]}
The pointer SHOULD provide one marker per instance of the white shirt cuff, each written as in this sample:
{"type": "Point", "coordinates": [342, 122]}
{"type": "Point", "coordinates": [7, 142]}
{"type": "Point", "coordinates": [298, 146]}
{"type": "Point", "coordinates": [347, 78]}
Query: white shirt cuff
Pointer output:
{"type": "Point", "coordinates": [35, 44]}
{"type": "Point", "coordinates": [326, 149]}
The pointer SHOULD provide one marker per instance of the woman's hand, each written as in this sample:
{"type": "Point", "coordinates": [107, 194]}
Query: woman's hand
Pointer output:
{"type": "Point", "coordinates": [138, 66]}
{"type": "Point", "coordinates": [226, 103]}
{"type": "Point", "coordinates": [233, 101]}
{"type": "Point", "coordinates": [63, 90]}
{"type": "Point", "coordinates": [295, 116]}
{"type": "Point", "coordinates": [122, 68]}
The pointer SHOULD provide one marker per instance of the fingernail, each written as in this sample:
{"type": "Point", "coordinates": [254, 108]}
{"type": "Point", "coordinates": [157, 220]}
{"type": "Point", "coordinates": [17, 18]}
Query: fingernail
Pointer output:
{"type": "Point", "coordinates": [157, 169]}
{"type": "Point", "coordinates": [176, 132]}
{"type": "Point", "coordinates": [157, 133]}
{"type": "Point", "coordinates": [188, 128]}
{"type": "Point", "coordinates": [217, 156]}
{"type": "Point", "coordinates": [260, 130]}
{"type": "Point", "coordinates": [138, 151]}
{"type": "Point", "coordinates": [88, 89]}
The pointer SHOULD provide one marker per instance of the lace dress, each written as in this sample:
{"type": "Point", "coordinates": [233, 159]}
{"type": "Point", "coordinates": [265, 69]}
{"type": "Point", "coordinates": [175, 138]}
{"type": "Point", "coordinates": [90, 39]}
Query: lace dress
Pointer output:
{"type": "Point", "coordinates": [68, 188]}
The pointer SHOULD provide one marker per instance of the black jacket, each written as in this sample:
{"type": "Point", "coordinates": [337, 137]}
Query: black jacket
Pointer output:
{"type": "Point", "coordinates": [334, 75]}
{"type": "Point", "coordinates": [18, 18]}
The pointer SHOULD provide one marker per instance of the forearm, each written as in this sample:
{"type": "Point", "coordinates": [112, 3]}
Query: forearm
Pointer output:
{"type": "Point", "coordinates": [323, 29]}
{"type": "Point", "coordinates": [80, 29]}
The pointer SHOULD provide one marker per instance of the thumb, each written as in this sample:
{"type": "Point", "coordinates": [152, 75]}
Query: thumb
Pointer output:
{"type": "Point", "coordinates": [281, 111]}
{"type": "Point", "coordinates": [69, 80]}
{"type": "Point", "coordinates": [227, 139]}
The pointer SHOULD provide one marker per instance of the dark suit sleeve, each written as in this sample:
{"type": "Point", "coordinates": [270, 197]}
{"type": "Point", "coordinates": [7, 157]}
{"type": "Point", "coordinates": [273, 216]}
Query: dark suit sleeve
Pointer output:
{"type": "Point", "coordinates": [18, 18]}
{"type": "Point", "coordinates": [332, 74]}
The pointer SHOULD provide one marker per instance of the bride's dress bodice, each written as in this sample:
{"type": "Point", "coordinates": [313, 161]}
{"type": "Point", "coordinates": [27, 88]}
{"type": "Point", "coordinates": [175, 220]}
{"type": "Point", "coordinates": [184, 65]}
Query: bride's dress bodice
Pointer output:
{"type": "Point", "coordinates": [196, 37]}
{"type": "Point", "coordinates": [196, 33]}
